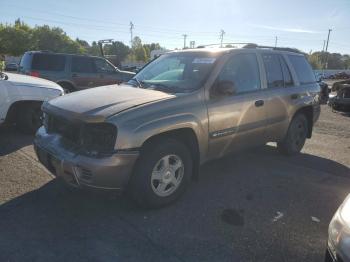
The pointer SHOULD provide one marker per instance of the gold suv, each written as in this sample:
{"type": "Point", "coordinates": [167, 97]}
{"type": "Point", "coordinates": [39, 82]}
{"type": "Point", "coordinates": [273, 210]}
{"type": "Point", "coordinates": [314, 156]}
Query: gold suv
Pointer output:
{"type": "Point", "coordinates": [150, 135]}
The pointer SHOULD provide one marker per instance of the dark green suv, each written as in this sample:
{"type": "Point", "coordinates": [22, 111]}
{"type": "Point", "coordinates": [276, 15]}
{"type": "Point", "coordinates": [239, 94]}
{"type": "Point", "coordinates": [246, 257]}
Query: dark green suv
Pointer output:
{"type": "Point", "coordinates": [72, 72]}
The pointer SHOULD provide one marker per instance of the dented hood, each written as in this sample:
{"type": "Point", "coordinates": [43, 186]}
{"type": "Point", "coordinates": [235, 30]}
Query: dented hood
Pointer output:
{"type": "Point", "coordinates": [96, 104]}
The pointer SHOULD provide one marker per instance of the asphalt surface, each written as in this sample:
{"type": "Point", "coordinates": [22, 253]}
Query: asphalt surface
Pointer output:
{"type": "Point", "coordinates": [253, 206]}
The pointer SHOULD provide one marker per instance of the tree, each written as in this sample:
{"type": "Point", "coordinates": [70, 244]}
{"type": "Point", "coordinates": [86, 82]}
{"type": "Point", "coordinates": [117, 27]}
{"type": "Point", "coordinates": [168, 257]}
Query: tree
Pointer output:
{"type": "Point", "coordinates": [55, 39]}
{"type": "Point", "coordinates": [118, 49]}
{"type": "Point", "coordinates": [315, 60]}
{"type": "Point", "coordinates": [138, 51]}
{"type": "Point", "coordinates": [16, 39]}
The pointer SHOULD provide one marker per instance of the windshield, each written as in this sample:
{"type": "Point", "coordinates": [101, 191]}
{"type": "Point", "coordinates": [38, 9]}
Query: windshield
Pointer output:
{"type": "Point", "coordinates": [176, 72]}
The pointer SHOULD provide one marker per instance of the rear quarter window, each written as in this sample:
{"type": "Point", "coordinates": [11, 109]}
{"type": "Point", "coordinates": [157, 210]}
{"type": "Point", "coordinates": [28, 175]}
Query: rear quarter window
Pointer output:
{"type": "Point", "coordinates": [302, 69]}
{"type": "Point", "coordinates": [26, 61]}
{"type": "Point", "coordinates": [48, 62]}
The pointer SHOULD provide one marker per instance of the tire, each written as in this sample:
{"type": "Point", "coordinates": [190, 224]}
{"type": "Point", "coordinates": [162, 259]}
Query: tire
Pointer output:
{"type": "Point", "coordinates": [29, 118]}
{"type": "Point", "coordinates": [68, 88]}
{"type": "Point", "coordinates": [162, 173]}
{"type": "Point", "coordinates": [296, 136]}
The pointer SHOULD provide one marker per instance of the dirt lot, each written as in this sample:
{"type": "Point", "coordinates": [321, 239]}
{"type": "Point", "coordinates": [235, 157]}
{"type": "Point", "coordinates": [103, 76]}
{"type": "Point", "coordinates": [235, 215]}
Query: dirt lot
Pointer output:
{"type": "Point", "coordinates": [254, 206]}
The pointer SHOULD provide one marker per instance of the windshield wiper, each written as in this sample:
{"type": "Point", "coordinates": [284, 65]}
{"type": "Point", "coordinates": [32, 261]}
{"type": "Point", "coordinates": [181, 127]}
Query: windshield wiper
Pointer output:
{"type": "Point", "coordinates": [163, 87]}
{"type": "Point", "coordinates": [3, 76]}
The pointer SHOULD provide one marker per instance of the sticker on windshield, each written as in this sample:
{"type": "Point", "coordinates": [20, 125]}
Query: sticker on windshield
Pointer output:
{"type": "Point", "coordinates": [205, 60]}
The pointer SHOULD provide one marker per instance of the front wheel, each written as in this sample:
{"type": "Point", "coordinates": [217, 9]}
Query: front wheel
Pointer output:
{"type": "Point", "coordinates": [296, 136]}
{"type": "Point", "coordinates": [161, 174]}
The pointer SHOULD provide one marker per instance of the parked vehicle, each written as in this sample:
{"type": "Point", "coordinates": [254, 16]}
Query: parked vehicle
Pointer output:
{"type": "Point", "coordinates": [21, 98]}
{"type": "Point", "coordinates": [150, 135]}
{"type": "Point", "coordinates": [72, 72]}
{"type": "Point", "coordinates": [339, 235]}
{"type": "Point", "coordinates": [11, 67]}
{"type": "Point", "coordinates": [341, 101]}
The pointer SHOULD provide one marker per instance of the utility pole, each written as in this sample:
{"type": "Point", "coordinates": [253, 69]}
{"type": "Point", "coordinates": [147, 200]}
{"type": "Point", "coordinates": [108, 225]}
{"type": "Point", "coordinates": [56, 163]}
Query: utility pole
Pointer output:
{"type": "Point", "coordinates": [185, 37]}
{"type": "Point", "coordinates": [131, 36]}
{"type": "Point", "coordinates": [276, 39]}
{"type": "Point", "coordinates": [326, 62]}
{"type": "Point", "coordinates": [222, 33]}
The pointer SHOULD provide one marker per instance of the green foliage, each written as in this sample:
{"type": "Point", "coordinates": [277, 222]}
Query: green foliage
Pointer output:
{"type": "Point", "coordinates": [16, 39]}
{"type": "Point", "coordinates": [54, 39]}
{"type": "Point", "coordinates": [315, 60]}
{"type": "Point", "coordinates": [335, 60]}
{"type": "Point", "coordinates": [19, 38]}
{"type": "Point", "coordinates": [117, 49]}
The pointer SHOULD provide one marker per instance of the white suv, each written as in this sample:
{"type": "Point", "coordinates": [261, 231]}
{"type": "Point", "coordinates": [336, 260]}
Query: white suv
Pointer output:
{"type": "Point", "coordinates": [21, 98]}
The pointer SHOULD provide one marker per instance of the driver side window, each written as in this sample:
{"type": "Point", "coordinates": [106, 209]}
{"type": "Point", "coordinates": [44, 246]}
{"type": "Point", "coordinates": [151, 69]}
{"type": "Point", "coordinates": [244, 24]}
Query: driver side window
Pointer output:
{"type": "Point", "coordinates": [103, 67]}
{"type": "Point", "coordinates": [243, 71]}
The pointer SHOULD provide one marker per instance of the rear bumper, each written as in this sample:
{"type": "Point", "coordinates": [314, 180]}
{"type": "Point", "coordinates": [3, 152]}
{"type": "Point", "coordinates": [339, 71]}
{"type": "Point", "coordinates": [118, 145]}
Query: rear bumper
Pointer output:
{"type": "Point", "coordinates": [106, 173]}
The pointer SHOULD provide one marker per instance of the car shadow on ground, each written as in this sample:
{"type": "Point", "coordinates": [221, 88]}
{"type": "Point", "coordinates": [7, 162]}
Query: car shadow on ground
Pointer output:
{"type": "Point", "coordinates": [12, 140]}
{"type": "Point", "coordinates": [52, 224]}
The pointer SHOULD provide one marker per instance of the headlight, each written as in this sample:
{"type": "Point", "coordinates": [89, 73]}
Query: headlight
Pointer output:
{"type": "Point", "coordinates": [98, 138]}
{"type": "Point", "coordinates": [345, 211]}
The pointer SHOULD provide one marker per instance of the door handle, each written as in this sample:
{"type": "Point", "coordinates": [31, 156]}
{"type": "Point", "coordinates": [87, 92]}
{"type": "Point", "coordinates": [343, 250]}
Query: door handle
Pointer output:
{"type": "Point", "coordinates": [259, 103]}
{"type": "Point", "coordinates": [294, 96]}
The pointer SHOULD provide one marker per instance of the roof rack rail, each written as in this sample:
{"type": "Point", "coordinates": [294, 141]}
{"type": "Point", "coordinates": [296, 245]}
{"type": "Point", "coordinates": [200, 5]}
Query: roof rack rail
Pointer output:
{"type": "Point", "coordinates": [223, 44]}
{"type": "Point", "coordinates": [252, 45]}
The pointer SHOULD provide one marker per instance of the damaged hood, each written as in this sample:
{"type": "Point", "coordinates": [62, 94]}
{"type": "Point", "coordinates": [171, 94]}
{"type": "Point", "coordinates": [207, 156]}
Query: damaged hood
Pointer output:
{"type": "Point", "coordinates": [96, 104]}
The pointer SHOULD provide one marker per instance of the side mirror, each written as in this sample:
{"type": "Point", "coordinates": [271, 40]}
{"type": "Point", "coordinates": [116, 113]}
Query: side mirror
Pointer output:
{"type": "Point", "coordinates": [225, 88]}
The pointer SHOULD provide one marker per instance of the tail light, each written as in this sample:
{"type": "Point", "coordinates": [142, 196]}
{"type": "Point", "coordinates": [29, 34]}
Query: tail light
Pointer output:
{"type": "Point", "coordinates": [34, 73]}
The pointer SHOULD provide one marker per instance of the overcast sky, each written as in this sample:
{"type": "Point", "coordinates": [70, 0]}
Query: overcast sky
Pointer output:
{"type": "Point", "coordinates": [297, 23]}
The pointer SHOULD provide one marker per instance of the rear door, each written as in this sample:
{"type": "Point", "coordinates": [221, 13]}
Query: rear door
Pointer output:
{"type": "Point", "coordinates": [279, 89]}
{"type": "Point", "coordinates": [237, 121]}
{"type": "Point", "coordinates": [83, 72]}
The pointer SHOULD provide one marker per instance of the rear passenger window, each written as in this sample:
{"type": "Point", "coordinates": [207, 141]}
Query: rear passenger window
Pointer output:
{"type": "Point", "coordinates": [82, 65]}
{"type": "Point", "coordinates": [302, 69]}
{"type": "Point", "coordinates": [273, 70]}
{"type": "Point", "coordinates": [48, 62]}
{"type": "Point", "coordinates": [243, 71]}
{"type": "Point", "coordinates": [288, 81]}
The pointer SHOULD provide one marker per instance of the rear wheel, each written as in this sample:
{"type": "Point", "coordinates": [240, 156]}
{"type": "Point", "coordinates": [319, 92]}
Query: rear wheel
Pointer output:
{"type": "Point", "coordinates": [161, 174]}
{"type": "Point", "coordinates": [296, 136]}
{"type": "Point", "coordinates": [29, 118]}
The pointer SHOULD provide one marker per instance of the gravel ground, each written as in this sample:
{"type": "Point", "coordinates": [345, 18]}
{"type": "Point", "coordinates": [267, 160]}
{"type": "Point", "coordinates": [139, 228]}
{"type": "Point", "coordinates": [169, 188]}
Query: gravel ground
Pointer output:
{"type": "Point", "coordinates": [253, 206]}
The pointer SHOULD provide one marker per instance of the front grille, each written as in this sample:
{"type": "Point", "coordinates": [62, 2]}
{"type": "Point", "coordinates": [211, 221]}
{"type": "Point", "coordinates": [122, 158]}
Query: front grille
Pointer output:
{"type": "Point", "coordinates": [63, 127]}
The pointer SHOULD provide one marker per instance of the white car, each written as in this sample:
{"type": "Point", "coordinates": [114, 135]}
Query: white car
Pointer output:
{"type": "Point", "coordinates": [21, 98]}
{"type": "Point", "coordinates": [339, 235]}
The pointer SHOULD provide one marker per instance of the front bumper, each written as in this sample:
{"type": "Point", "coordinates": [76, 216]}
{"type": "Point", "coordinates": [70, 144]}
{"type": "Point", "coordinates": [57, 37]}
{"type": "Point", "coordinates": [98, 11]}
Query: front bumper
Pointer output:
{"type": "Point", "coordinates": [62, 159]}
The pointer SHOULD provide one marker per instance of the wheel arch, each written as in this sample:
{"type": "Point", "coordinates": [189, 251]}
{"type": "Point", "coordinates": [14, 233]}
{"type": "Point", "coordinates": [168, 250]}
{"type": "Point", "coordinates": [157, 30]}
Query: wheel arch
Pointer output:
{"type": "Point", "coordinates": [14, 107]}
{"type": "Point", "coordinates": [309, 114]}
{"type": "Point", "coordinates": [185, 135]}
{"type": "Point", "coordinates": [66, 82]}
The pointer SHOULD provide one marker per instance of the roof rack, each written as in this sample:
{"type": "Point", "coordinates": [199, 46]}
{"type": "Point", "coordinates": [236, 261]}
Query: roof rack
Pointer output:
{"type": "Point", "coordinates": [223, 44]}
{"type": "Point", "coordinates": [252, 45]}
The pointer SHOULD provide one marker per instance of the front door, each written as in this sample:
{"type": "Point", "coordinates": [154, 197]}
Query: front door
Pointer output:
{"type": "Point", "coordinates": [83, 72]}
{"type": "Point", "coordinates": [237, 121]}
{"type": "Point", "coordinates": [108, 75]}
